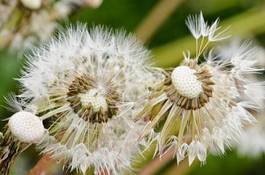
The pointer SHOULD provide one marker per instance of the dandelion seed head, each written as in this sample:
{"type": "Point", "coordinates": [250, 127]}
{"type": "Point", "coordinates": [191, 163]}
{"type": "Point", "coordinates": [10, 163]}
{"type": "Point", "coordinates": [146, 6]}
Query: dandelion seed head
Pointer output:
{"type": "Point", "coordinates": [209, 120]}
{"type": "Point", "coordinates": [93, 98]}
{"type": "Point", "coordinates": [206, 104]}
{"type": "Point", "coordinates": [26, 127]}
{"type": "Point", "coordinates": [88, 85]}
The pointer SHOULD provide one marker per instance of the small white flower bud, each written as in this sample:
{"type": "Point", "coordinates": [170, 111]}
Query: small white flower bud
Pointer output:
{"type": "Point", "coordinates": [186, 82]}
{"type": "Point", "coordinates": [26, 127]}
{"type": "Point", "coordinates": [93, 3]}
{"type": "Point", "coordinates": [32, 4]}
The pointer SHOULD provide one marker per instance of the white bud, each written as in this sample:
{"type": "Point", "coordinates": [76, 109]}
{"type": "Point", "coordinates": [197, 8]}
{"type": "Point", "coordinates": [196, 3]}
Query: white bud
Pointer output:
{"type": "Point", "coordinates": [93, 3]}
{"type": "Point", "coordinates": [26, 127]}
{"type": "Point", "coordinates": [32, 4]}
{"type": "Point", "coordinates": [185, 82]}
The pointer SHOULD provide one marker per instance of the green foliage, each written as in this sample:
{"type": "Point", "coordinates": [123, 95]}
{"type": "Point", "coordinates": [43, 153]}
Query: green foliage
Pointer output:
{"type": "Point", "coordinates": [9, 70]}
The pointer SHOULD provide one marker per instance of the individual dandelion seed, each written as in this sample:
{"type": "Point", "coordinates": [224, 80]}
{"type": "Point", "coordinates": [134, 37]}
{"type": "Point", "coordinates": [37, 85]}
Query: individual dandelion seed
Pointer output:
{"type": "Point", "coordinates": [204, 105]}
{"type": "Point", "coordinates": [86, 86]}
{"type": "Point", "coordinates": [204, 33]}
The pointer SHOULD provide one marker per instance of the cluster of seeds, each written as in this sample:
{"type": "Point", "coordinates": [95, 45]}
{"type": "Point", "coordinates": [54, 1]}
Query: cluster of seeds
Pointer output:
{"type": "Point", "coordinates": [104, 101]}
{"type": "Point", "coordinates": [191, 86]}
{"type": "Point", "coordinates": [89, 103]}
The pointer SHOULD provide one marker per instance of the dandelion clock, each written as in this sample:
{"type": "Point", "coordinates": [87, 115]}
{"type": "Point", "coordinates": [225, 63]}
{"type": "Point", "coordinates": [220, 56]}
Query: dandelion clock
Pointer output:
{"type": "Point", "coordinates": [86, 87]}
{"type": "Point", "coordinates": [204, 103]}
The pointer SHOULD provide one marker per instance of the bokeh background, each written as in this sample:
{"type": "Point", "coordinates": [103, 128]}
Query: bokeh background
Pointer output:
{"type": "Point", "coordinates": [160, 24]}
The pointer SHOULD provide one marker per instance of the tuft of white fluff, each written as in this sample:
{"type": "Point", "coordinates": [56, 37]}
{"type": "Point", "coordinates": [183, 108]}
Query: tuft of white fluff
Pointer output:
{"type": "Point", "coordinates": [213, 120]}
{"type": "Point", "coordinates": [64, 53]}
{"type": "Point", "coordinates": [114, 61]}
{"type": "Point", "coordinates": [200, 28]}
{"type": "Point", "coordinates": [26, 127]}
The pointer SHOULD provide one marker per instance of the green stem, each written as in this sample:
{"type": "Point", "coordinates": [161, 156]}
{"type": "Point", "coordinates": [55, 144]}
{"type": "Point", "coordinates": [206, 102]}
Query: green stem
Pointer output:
{"type": "Point", "coordinates": [158, 15]}
{"type": "Point", "coordinates": [141, 159]}
{"type": "Point", "coordinates": [11, 26]}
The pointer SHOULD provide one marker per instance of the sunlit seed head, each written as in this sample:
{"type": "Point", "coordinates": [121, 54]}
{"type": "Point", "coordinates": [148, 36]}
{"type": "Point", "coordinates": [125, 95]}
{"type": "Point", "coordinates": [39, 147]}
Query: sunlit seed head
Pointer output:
{"type": "Point", "coordinates": [26, 127]}
{"type": "Point", "coordinates": [204, 107]}
{"type": "Point", "coordinates": [186, 82]}
{"type": "Point", "coordinates": [87, 85]}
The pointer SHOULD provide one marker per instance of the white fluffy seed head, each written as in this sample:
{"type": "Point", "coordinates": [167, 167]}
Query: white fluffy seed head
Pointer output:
{"type": "Point", "coordinates": [95, 99]}
{"type": "Point", "coordinates": [71, 65]}
{"type": "Point", "coordinates": [26, 127]}
{"type": "Point", "coordinates": [185, 82]}
{"type": "Point", "coordinates": [32, 4]}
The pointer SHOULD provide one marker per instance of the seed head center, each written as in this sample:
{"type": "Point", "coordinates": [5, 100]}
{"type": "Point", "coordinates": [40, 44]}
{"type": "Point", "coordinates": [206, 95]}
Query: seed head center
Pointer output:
{"type": "Point", "coordinates": [91, 101]}
{"type": "Point", "coordinates": [186, 82]}
{"type": "Point", "coordinates": [95, 99]}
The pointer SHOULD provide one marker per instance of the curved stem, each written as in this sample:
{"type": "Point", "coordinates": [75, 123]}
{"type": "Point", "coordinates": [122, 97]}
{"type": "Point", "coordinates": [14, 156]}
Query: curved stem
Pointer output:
{"type": "Point", "coordinates": [156, 18]}
{"type": "Point", "coordinates": [157, 163]}
{"type": "Point", "coordinates": [43, 166]}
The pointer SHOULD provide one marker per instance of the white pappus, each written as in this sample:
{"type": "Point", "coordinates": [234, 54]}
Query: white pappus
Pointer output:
{"type": "Point", "coordinates": [206, 101]}
{"type": "Point", "coordinates": [87, 85]}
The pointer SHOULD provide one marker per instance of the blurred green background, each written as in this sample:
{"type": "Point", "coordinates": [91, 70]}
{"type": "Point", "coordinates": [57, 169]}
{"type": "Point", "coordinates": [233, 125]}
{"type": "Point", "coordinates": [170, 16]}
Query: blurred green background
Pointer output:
{"type": "Point", "coordinates": [246, 19]}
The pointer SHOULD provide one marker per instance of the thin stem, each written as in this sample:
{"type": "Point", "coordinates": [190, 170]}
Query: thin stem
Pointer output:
{"type": "Point", "coordinates": [10, 27]}
{"type": "Point", "coordinates": [196, 45]}
{"type": "Point", "coordinates": [160, 162]}
{"type": "Point", "coordinates": [180, 169]}
{"type": "Point", "coordinates": [43, 166]}
{"type": "Point", "coordinates": [156, 18]}
{"type": "Point", "coordinates": [202, 49]}
{"type": "Point", "coordinates": [157, 163]}
{"type": "Point", "coordinates": [201, 44]}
